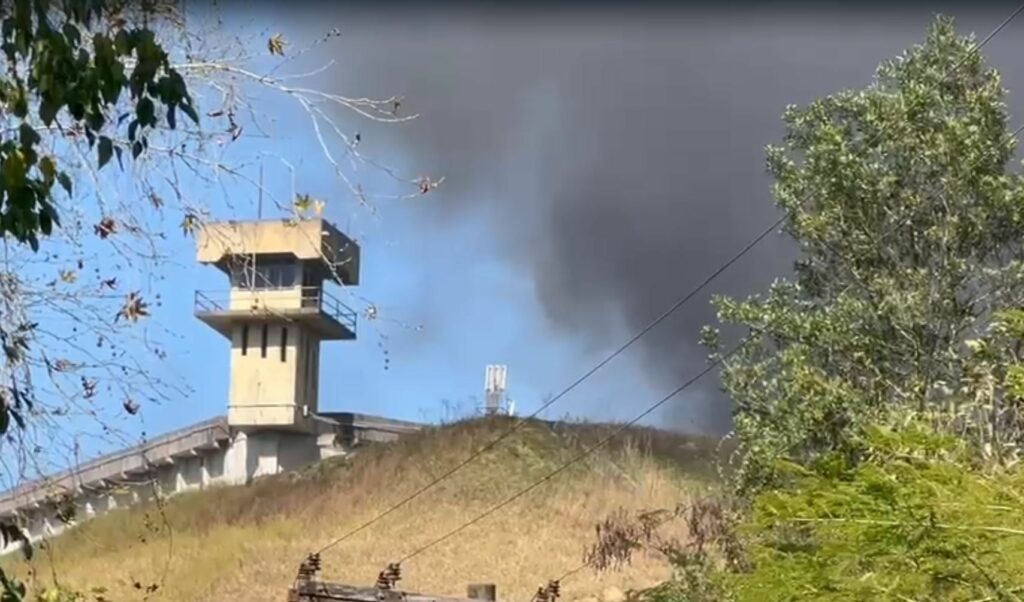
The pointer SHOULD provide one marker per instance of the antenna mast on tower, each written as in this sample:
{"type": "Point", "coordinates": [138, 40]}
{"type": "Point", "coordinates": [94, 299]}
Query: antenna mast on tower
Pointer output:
{"type": "Point", "coordinates": [495, 387]}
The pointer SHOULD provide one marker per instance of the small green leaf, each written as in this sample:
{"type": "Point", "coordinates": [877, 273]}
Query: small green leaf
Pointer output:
{"type": "Point", "coordinates": [122, 43]}
{"type": "Point", "coordinates": [49, 214]}
{"type": "Point", "coordinates": [191, 112]}
{"type": "Point", "coordinates": [72, 35]}
{"type": "Point", "coordinates": [14, 171]}
{"type": "Point", "coordinates": [135, 83]}
{"type": "Point", "coordinates": [65, 182]}
{"type": "Point", "coordinates": [77, 110]}
{"type": "Point", "coordinates": [31, 156]}
{"type": "Point", "coordinates": [48, 110]}
{"type": "Point", "coordinates": [48, 169]}
{"type": "Point", "coordinates": [178, 86]}
{"type": "Point", "coordinates": [21, 105]}
{"type": "Point", "coordinates": [105, 149]}
{"type": "Point", "coordinates": [45, 223]}
{"type": "Point", "coordinates": [145, 112]}
{"type": "Point", "coordinates": [28, 134]}
{"type": "Point", "coordinates": [95, 118]}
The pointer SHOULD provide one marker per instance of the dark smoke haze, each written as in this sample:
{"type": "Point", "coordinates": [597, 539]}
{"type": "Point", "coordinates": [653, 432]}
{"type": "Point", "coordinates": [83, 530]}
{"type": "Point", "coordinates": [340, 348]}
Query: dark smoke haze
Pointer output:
{"type": "Point", "coordinates": [620, 158]}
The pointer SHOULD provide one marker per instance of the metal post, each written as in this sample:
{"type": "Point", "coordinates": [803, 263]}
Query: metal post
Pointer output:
{"type": "Point", "coordinates": [486, 592]}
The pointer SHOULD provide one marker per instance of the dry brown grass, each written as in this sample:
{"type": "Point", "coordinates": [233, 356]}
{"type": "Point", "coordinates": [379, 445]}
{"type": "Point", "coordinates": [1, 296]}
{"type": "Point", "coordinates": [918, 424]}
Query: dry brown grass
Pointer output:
{"type": "Point", "coordinates": [245, 543]}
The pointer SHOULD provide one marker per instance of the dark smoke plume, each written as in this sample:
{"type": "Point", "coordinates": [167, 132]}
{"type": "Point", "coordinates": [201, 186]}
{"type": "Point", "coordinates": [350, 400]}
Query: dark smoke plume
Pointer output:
{"type": "Point", "coordinates": [620, 157]}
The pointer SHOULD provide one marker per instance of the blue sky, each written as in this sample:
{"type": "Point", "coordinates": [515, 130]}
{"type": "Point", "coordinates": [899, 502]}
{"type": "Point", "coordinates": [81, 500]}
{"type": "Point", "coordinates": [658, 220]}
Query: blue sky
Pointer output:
{"type": "Point", "coordinates": [452, 297]}
{"type": "Point", "coordinates": [421, 276]}
{"type": "Point", "coordinates": [449, 302]}
{"type": "Point", "coordinates": [723, 82]}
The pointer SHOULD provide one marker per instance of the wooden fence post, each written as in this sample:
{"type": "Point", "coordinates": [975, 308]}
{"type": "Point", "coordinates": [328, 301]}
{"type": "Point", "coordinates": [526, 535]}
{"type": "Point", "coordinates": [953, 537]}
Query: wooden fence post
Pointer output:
{"type": "Point", "coordinates": [485, 592]}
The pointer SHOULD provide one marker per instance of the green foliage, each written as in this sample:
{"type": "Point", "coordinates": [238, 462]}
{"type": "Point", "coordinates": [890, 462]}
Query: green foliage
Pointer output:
{"type": "Point", "coordinates": [68, 66]}
{"type": "Point", "coordinates": [914, 520]}
{"type": "Point", "coordinates": [878, 393]}
{"type": "Point", "coordinates": [986, 408]}
{"type": "Point", "coordinates": [909, 227]}
{"type": "Point", "coordinates": [11, 590]}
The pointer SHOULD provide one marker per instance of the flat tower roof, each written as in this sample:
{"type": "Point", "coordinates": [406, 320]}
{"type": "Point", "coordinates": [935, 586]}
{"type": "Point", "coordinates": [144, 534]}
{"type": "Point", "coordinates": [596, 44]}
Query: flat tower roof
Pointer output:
{"type": "Point", "coordinates": [306, 239]}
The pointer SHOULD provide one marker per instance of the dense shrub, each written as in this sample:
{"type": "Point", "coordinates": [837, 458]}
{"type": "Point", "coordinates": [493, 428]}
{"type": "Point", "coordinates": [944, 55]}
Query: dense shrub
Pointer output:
{"type": "Point", "coordinates": [914, 519]}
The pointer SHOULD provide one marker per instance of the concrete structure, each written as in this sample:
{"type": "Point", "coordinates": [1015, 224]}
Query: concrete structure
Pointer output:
{"type": "Point", "coordinates": [275, 314]}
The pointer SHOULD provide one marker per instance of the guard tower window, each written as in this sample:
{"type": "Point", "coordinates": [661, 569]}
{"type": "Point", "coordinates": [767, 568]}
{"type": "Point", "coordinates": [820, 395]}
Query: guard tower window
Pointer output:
{"type": "Point", "coordinates": [263, 342]}
{"type": "Point", "coordinates": [245, 339]}
{"type": "Point", "coordinates": [276, 275]}
{"type": "Point", "coordinates": [311, 275]}
{"type": "Point", "coordinates": [265, 274]}
{"type": "Point", "coordinates": [307, 366]}
{"type": "Point", "coordinates": [284, 343]}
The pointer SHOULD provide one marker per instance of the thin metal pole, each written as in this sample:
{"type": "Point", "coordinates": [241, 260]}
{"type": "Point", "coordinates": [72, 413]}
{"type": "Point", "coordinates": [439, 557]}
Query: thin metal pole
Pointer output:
{"type": "Point", "coordinates": [259, 206]}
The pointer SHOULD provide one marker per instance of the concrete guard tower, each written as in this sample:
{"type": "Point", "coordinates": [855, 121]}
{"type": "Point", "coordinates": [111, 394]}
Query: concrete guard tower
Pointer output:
{"type": "Point", "coordinates": [276, 313]}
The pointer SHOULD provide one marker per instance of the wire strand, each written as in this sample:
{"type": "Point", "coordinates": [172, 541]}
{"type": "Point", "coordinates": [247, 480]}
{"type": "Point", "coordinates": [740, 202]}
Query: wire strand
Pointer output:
{"type": "Point", "coordinates": [980, 45]}
{"type": "Point", "coordinates": [1000, 27]}
{"type": "Point", "coordinates": [604, 362]}
{"type": "Point", "coordinates": [987, 39]}
{"type": "Point", "coordinates": [562, 468]}
{"type": "Point", "coordinates": [519, 423]}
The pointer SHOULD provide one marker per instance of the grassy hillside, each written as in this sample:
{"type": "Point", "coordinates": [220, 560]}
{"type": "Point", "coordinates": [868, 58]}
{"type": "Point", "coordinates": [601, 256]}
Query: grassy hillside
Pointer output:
{"type": "Point", "coordinates": [245, 543]}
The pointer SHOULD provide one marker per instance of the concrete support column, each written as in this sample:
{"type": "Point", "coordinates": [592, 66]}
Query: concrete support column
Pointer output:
{"type": "Point", "coordinates": [180, 483]}
{"type": "Point", "coordinates": [204, 471]}
{"type": "Point", "coordinates": [327, 445]}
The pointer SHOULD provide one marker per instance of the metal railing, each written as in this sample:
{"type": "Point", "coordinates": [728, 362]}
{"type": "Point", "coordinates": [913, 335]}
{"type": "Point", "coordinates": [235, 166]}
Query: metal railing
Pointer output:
{"type": "Point", "coordinates": [205, 304]}
{"type": "Point", "coordinates": [330, 305]}
{"type": "Point", "coordinates": [310, 297]}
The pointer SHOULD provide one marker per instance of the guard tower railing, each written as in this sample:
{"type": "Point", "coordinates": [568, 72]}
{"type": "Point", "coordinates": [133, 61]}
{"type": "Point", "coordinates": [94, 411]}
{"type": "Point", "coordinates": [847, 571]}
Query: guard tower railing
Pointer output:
{"type": "Point", "coordinates": [310, 298]}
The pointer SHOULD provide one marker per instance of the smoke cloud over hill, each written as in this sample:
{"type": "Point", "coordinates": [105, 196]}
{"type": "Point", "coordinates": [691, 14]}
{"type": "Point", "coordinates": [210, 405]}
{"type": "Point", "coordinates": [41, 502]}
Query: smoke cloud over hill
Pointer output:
{"type": "Point", "coordinates": [620, 158]}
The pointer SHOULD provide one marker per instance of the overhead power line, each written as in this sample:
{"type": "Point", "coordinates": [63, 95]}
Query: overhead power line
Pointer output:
{"type": "Point", "coordinates": [1000, 27]}
{"type": "Point", "coordinates": [519, 423]}
{"type": "Point", "coordinates": [582, 566]}
{"type": "Point", "coordinates": [581, 456]}
{"type": "Point", "coordinates": [672, 309]}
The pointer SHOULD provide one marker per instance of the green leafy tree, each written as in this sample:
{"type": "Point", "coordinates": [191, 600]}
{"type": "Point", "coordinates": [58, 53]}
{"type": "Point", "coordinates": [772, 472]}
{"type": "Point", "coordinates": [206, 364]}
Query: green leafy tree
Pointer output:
{"type": "Point", "coordinates": [67, 67]}
{"type": "Point", "coordinates": [909, 227]}
{"type": "Point", "coordinates": [988, 406]}
{"type": "Point", "coordinates": [878, 390]}
{"type": "Point", "coordinates": [911, 517]}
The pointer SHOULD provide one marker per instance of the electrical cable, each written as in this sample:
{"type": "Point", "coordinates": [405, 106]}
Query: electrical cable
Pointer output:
{"type": "Point", "coordinates": [519, 423]}
{"type": "Point", "coordinates": [587, 452]}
